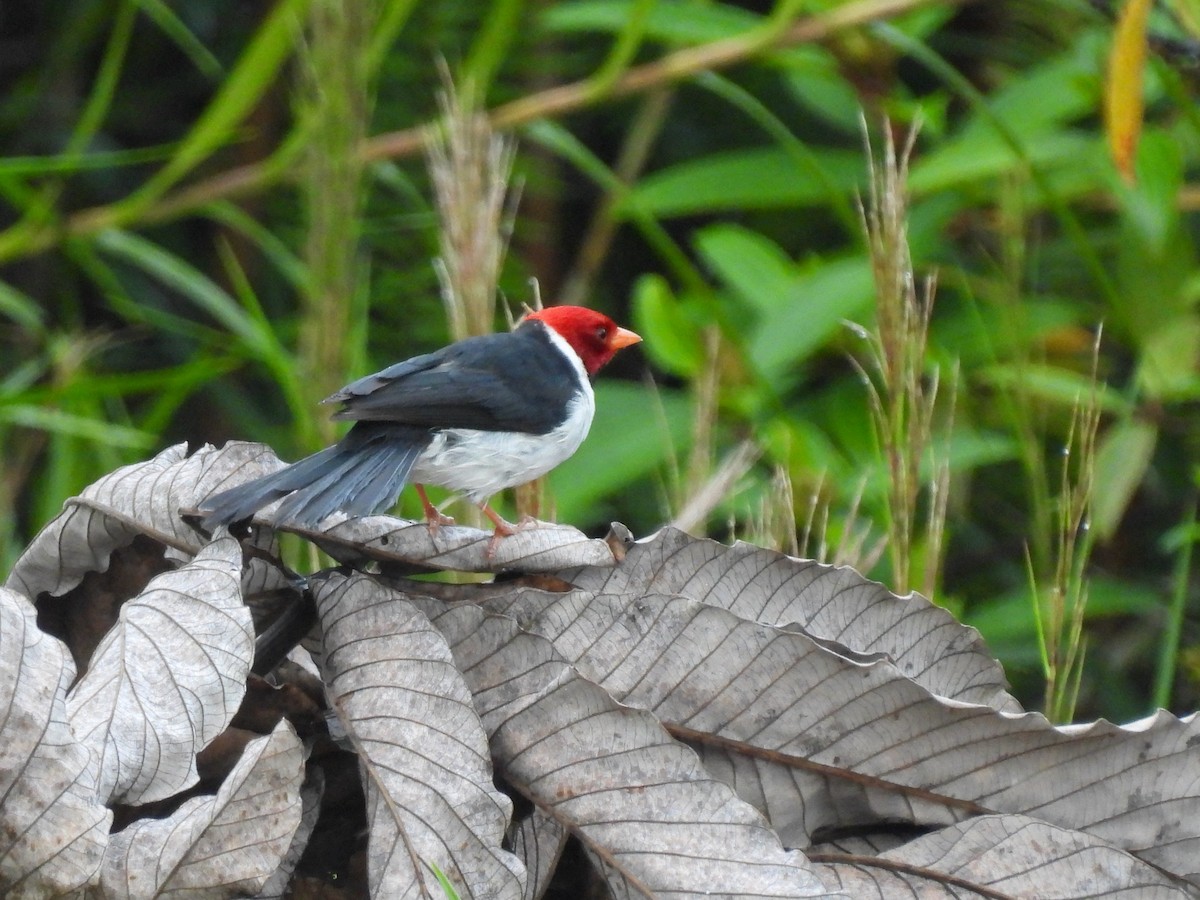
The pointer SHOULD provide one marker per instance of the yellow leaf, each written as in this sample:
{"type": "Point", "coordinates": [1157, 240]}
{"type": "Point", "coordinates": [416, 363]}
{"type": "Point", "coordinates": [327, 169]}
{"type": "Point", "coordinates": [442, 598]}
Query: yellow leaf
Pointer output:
{"type": "Point", "coordinates": [1123, 106]}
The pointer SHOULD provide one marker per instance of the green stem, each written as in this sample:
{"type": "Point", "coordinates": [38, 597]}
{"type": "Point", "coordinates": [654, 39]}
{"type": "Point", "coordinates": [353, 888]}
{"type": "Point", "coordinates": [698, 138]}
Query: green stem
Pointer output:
{"type": "Point", "coordinates": [623, 49]}
{"type": "Point", "coordinates": [1164, 677]}
{"type": "Point", "coordinates": [499, 27]}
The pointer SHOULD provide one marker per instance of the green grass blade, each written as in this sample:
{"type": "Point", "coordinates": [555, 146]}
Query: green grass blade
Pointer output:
{"type": "Point", "coordinates": [21, 309]}
{"type": "Point", "coordinates": [443, 881]}
{"type": "Point", "coordinates": [557, 139]}
{"type": "Point", "coordinates": [191, 283]}
{"type": "Point", "coordinates": [59, 422]}
{"type": "Point", "coordinates": [174, 28]}
{"type": "Point", "coordinates": [41, 208]}
{"type": "Point", "coordinates": [836, 195]}
{"type": "Point", "coordinates": [286, 262]}
{"type": "Point", "coordinates": [392, 19]}
{"type": "Point", "coordinates": [115, 292]}
{"type": "Point", "coordinates": [104, 86]}
{"type": "Point", "coordinates": [1168, 657]}
{"type": "Point", "coordinates": [624, 48]}
{"type": "Point", "coordinates": [69, 163]}
{"type": "Point", "coordinates": [276, 358]}
{"type": "Point", "coordinates": [491, 46]}
{"type": "Point", "coordinates": [255, 71]}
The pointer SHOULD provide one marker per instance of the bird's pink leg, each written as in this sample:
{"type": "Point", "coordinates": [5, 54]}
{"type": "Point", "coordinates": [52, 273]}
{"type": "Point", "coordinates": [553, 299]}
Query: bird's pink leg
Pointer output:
{"type": "Point", "coordinates": [503, 528]}
{"type": "Point", "coordinates": [433, 518]}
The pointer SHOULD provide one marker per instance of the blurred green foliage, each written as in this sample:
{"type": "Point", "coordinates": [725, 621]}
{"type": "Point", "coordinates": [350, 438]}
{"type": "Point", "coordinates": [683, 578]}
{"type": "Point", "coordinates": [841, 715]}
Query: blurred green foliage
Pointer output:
{"type": "Point", "coordinates": [165, 248]}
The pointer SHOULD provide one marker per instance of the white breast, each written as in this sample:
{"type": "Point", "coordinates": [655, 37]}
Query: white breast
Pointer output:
{"type": "Point", "coordinates": [480, 463]}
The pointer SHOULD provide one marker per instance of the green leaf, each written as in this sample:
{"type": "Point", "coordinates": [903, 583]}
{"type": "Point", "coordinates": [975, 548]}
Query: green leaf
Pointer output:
{"type": "Point", "coordinates": [1062, 387]}
{"type": "Point", "coordinates": [800, 308]}
{"type": "Point", "coordinates": [393, 16]}
{"type": "Point", "coordinates": [1169, 360]}
{"type": "Point", "coordinates": [984, 158]}
{"type": "Point", "coordinates": [814, 77]}
{"type": "Point", "coordinates": [69, 163]}
{"type": "Point", "coordinates": [923, 22]}
{"type": "Point", "coordinates": [1121, 461]}
{"type": "Point", "coordinates": [497, 30]}
{"type": "Point", "coordinates": [1042, 99]}
{"type": "Point", "coordinates": [749, 264]}
{"type": "Point", "coordinates": [670, 339]}
{"type": "Point", "coordinates": [745, 179]}
{"type": "Point", "coordinates": [813, 311]}
{"type": "Point", "coordinates": [188, 376]}
{"type": "Point", "coordinates": [670, 21]}
{"type": "Point", "coordinates": [1007, 622]}
{"type": "Point", "coordinates": [1188, 14]}
{"type": "Point", "coordinates": [290, 266]}
{"type": "Point", "coordinates": [804, 159]}
{"type": "Point", "coordinates": [174, 28]}
{"type": "Point", "coordinates": [559, 140]}
{"type": "Point", "coordinates": [443, 882]}
{"type": "Point", "coordinates": [1151, 204]}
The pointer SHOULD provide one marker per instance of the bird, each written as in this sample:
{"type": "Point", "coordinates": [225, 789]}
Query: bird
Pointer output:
{"type": "Point", "coordinates": [477, 416]}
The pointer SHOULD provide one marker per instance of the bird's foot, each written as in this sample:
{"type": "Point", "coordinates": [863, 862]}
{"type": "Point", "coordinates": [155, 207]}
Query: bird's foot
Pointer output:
{"type": "Point", "coordinates": [436, 520]}
{"type": "Point", "coordinates": [433, 517]}
{"type": "Point", "coordinates": [504, 528]}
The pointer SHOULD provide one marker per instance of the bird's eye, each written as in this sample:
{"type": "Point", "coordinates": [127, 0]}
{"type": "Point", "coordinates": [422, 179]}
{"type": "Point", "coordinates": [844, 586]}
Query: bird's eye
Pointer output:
{"type": "Point", "coordinates": [602, 332]}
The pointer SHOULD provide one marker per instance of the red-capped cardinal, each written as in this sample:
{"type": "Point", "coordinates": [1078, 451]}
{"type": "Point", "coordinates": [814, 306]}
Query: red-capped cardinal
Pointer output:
{"type": "Point", "coordinates": [477, 416]}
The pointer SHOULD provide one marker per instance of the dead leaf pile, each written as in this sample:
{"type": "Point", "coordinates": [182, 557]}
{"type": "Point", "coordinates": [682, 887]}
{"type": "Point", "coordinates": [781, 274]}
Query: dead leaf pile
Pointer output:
{"type": "Point", "coordinates": [182, 714]}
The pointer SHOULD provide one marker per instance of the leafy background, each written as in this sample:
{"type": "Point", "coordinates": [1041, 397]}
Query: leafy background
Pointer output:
{"type": "Point", "coordinates": [216, 213]}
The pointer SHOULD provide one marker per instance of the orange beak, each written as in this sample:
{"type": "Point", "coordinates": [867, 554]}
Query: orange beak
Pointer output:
{"type": "Point", "coordinates": [623, 338]}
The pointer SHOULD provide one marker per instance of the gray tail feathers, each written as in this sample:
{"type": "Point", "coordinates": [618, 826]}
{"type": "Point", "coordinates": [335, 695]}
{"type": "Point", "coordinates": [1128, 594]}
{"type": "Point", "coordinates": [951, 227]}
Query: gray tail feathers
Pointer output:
{"type": "Point", "coordinates": [360, 475]}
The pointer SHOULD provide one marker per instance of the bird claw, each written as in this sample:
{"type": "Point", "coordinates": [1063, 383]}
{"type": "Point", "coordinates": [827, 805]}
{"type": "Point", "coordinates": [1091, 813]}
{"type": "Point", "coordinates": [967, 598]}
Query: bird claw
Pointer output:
{"type": "Point", "coordinates": [435, 521]}
{"type": "Point", "coordinates": [433, 518]}
{"type": "Point", "coordinates": [505, 529]}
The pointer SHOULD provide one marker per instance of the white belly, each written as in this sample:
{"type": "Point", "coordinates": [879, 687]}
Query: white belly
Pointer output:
{"type": "Point", "coordinates": [480, 463]}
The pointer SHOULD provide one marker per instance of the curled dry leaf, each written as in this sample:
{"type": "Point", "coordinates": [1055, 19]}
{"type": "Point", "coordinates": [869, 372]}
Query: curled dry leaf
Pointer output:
{"type": "Point", "coordinates": [815, 740]}
{"type": "Point", "coordinates": [609, 773]}
{"type": "Point", "coordinates": [423, 752]}
{"type": "Point", "coordinates": [276, 887]}
{"type": "Point", "coordinates": [167, 679]}
{"type": "Point", "coordinates": [53, 831]}
{"type": "Point", "coordinates": [222, 846]}
{"type": "Point", "coordinates": [538, 841]}
{"type": "Point", "coordinates": [84, 615]}
{"type": "Point", "coordinates": [388, 540]}
{"type": "Point", "coordinates": [832, 603]}
{"type": "Point", "coordinates": [1001, 856]}
{"type": "Point", "coordinates": [143, 498]}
